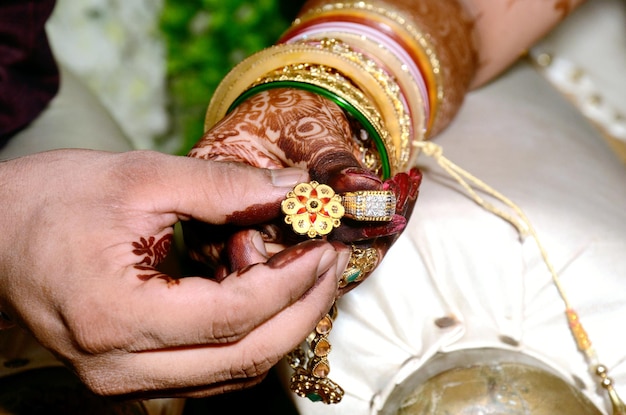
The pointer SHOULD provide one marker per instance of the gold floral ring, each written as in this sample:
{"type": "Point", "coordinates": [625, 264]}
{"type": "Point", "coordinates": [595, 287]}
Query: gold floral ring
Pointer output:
{"type": "Point", "coordinates": [314, 209]}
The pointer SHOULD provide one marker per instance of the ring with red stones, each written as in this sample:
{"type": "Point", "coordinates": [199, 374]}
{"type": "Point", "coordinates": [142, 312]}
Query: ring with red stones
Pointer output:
{"type": "Point", "coordinates": [314, 209]}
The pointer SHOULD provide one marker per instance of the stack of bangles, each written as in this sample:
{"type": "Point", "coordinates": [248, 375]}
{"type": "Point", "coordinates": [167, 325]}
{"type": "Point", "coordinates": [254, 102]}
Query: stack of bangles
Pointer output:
{"type": "Point", "coordinates": [383, 65]}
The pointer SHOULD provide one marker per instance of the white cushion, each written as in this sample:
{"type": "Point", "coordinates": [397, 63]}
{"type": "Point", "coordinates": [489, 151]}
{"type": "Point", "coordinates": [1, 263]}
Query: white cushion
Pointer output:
{"type": "Point", "coordinates": [458, 261]}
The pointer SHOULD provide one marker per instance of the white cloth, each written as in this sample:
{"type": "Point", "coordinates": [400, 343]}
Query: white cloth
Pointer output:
{"type": "Point", "coordinates": [459, 262]}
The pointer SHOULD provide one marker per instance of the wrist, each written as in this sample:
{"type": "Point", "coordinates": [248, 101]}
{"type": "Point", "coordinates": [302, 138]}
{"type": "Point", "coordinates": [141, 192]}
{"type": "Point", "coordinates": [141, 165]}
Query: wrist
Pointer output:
{"type": "Point", "coordinates": [402, 70]}
{"type": "Point", "coordinates": [8, 228]}
{"type": "Point", "coordinates": [7, 207]}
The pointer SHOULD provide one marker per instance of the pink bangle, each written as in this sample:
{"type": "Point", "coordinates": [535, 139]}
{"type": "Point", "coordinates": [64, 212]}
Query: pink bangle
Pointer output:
{"type": "Point", "coordinates": [317, 29]}
{"type": "Point", "coordinates": [316, 40]}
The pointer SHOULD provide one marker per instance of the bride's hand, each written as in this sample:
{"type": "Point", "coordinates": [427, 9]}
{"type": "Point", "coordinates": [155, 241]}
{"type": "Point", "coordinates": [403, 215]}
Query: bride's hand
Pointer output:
{"type": "Point", "coordinates": [282, 128]}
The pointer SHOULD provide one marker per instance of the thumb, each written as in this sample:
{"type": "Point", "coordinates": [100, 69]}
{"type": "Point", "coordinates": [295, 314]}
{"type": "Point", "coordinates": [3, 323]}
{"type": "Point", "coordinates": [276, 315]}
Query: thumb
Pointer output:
{"type": "Point", "coordinates": [218, 192]}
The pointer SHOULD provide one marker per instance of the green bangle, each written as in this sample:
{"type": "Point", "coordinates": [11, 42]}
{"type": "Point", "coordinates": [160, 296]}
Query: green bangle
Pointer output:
{"type": "Point", "coordinates": [340, 101]}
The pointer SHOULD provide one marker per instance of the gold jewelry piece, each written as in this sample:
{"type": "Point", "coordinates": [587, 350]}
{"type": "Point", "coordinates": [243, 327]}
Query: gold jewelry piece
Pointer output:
{"type": "Point", "coordinates": [419, 44]}
{"type": "Point", "coordinates": [386, 95]}
{"type": "Point", "coordinates": [379, 88]}
{"type": "Point", "coordinates": [438, 34]}
{"type": "Point", "coordinates": [257, 66]}
{"type": "Point", "coordinates": [310, 379]}
{"type": "Point", "coordinates": [408, 85]}
{"type": "Point", "coordinates": [369, 205]}
{"type": "Point", "coordinates": [330, 80]}
{"type": "Point", "coordinates": [312, 209]}
{"type": "Point", "coordinates": [362, 261]}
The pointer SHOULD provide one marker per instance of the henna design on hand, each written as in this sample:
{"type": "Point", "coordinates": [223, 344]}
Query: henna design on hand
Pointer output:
{"type": "Point", "coordinates": [283, 127]}
{"type": "Point", "coordinates": [149, 273]}
{"type": "Point", "coordinates": [286, 127]}
{"type": "Point", "coordinates": [154, 252]}
{"type": "Point", "coordinates": [231, 141]}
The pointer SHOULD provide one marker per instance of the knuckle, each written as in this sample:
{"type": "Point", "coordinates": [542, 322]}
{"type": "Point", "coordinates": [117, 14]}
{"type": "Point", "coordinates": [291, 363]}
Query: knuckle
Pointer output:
{"type": "Point", "coordinates": [229, 330]}
{"type": "Point", "coordinates": [90, 342]}
{"type": "Point", "coordinates": [104, 382]}
{"type": "Point", "coordinates": [255, 367]}
{"type": "Point", "coordinates": [133, 168]}
{"type": "Point", "coordinates": [94, 331]}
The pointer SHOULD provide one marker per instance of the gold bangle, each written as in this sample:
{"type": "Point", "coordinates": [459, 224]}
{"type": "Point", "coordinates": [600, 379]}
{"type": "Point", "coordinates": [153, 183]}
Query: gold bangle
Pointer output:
{"type": "Point", "coordinates": [328, 54]}
{"type": "Point", "coordinates": [250, 70]}
{"type": "Point", "coordinates": [445, 52]}
{"type": "Point", "coordinates": [416, 42]}
{"type": "Point", "coordinates": [333, 82]}
{"type": "Point", "coordinates": [386, 96]}
{"type": "Point", "coordinates": [408, 86]}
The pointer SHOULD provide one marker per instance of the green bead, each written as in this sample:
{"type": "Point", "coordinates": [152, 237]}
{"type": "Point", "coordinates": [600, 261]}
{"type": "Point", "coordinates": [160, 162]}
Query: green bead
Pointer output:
{"type": "Point", "coordinates": [352, 275]}
{"type": "Point", "coordinates": [314, 397]}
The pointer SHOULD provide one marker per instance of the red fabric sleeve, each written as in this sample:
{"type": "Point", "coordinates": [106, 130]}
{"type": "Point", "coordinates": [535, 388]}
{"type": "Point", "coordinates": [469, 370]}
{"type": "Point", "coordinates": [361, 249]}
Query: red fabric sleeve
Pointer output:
{"type": "Point", "coordinates": [29, 77]}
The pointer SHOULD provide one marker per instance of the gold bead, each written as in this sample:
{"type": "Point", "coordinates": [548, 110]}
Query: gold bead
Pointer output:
{"type": "Point", "coordinates": [321, 369]}
{"type": "Point", "coordinates": [544, 59]}
{"type": "Point", "coordinates": [324, 326]}
{"type": "Point", "coordinates": [322, 348]}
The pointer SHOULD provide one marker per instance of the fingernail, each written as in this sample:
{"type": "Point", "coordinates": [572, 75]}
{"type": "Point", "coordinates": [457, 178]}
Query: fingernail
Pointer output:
{"type": "Point", "coordinates": [288, 177]}
{"type": "Point", "coordinates": [259, 244]}
{"type": "Point", "coordinates": [342, 262]}
{"type": "Point", "coordinates": [354, 178]}
{"type": "Point", "coordinates": [327, 260]}
{"type": "Point", "coordinates": [363, 174]}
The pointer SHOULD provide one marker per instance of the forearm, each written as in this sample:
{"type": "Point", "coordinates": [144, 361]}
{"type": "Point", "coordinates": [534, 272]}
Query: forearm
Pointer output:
{"type": "Point", "coordinates": [504, 30]}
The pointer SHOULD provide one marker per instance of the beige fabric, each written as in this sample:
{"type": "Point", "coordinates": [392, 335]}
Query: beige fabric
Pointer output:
{"type": "Point", "coordinates": [461, 279]}
{"type": "Point", "coordinates": [74, 119]}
